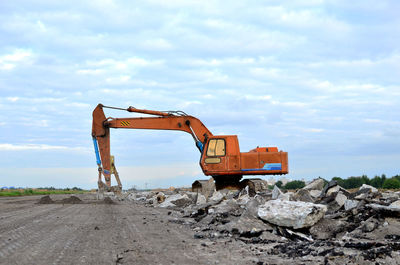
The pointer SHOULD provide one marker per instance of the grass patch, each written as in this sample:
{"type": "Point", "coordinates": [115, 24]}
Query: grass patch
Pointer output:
{"type": "Point", "coordinates": [27, 192]}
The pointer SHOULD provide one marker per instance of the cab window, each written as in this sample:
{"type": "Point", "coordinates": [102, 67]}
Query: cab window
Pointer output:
{"type": "Point", "coordinates": [216, 147]}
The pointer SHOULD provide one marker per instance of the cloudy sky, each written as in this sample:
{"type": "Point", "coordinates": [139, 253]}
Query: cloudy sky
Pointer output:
{"type": "Point", "coordinates": [316, 78]}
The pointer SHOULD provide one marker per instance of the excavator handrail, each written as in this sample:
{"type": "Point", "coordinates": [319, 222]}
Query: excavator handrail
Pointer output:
{"type": "Point", "coordinates": [150, 112]}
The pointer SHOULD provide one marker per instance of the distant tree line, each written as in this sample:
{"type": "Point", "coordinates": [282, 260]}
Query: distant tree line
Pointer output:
{"type": "Point", "coordinates": [66, 189]}
{"type": "Point", "coordinates": [291, 185]}
{"type": "Point", "coordinates": [379, 182]}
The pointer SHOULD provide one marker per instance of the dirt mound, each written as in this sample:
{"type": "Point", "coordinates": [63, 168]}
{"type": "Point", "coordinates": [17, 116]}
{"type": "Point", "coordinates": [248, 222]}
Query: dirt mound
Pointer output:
{"type": "Point", "coordinates": [108, 200]}
{"type": "Point", "coordinates": [71, 200]}
{"type": "Point", "coordinates": [45, 200]}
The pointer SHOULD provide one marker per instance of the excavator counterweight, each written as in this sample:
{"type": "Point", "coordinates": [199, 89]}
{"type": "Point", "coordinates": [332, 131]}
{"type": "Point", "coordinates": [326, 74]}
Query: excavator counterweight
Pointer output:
{"type": "Point", "coordinates": [220, 156]}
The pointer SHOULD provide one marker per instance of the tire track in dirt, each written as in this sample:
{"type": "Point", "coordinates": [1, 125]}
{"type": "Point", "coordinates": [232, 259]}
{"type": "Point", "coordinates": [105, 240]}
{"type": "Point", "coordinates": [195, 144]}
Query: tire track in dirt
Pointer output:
{"type": "Point", "coordinates": [47, 243]}
{"type": "Point", "coordinates": [36, 238]}
{"type": "Point", "coordinates": [34, 212]}
{"type": "Point", "coordinates": [154, 243]}
{"type": "Point", "coordinates": [24, 228]}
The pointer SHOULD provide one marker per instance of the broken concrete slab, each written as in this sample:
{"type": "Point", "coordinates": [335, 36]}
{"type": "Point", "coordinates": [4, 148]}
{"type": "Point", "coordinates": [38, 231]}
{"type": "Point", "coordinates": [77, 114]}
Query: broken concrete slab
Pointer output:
{"type": "Point", "coordinates": [370, 188]}
{"type": "Point", "coordinates": [332, 190]}
{"type": "Point", "coordinates": [338, 201]}
{"type": "Point", "coordinates": [216, 196]}
{"type": "Point", "coordinates": [350, 204]}
{"type": "Point", "coordinates": [330, 184]}
{"type": "Point", "coordinates": [340, 198]}
{"type": "Point", "coordinates": [293, 214]}
{"type": "Point", "coordinates": [327, 228]}
{"type": "Point", "coordinates": [361, 196]}
{"type": "Point", "coordinates": [248, 224]}
{"type": "Point", "coordinates": [286, 196]}
{"type": "Point", "coordinates": [369, 225]}
{"type": "Point", "coordinates": [226, 207]}
{"type": "Point", "coordinates": [276, 192]}
{"type": "Point", "coordinates": [201, 199]}
{"type": "Point", "coordinates": [244, 199]}
{"type": "Point", "coordinates": [176, 200]}
{"type": "Point", "coordinates": [316, 184]}
{"type": "Point", "coordinates": [315, 193]}
{"type": "Point", "coordinates": [386, 210]}
{"type": "Point", "coordinates": [395, 204]}
{"type": "Point", "coordinates": [389, 196]}
{"type": "Point", "coordinates": [302, 195]}
{"type": "Point", "coordinates": [218, 221]}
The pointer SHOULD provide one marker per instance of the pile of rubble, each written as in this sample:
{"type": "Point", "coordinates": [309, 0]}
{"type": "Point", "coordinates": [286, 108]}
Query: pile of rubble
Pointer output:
{"type": "Point", "coordinates": [319, 221]}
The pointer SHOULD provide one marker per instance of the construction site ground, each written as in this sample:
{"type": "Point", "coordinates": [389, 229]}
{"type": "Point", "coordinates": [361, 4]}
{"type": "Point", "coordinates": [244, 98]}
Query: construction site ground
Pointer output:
{"type": "Point", "coordinates": [104, 232]}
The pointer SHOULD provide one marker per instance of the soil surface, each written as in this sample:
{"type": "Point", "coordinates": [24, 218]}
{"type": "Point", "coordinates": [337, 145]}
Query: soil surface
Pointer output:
{"type": "Point", "coordinates": [78, 229]}
{"type": "Point", "coordinates": [100, 232]}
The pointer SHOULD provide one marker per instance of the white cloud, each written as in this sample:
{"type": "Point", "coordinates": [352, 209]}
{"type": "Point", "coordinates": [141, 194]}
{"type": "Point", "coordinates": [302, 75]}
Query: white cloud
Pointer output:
{"type": "Point", "coordinates": [186, 104]}
{"type": "Point", "coordinates": [301, 18]}
{"type": "Point", "coordinates": [77, 105]}
{"type": "Point", "coordinates": [91, 71]}
{"type": "Point", "coordinates": [118, 79]}
{"type": "Point", "coordinates": [266, 72]}
{"type": "Point", "coordinates": [12, 99]}
{"type": "Point", "coordinates": [124, 64]}
{"type": "Point", "coordinates": [36, 99]}
{"type": "Point", "coordinates": [43, 147]}
{"type": "Point", "coordinates": [313, 130]}
{"type": "Point", "coordinates": [41, 26]}
{"type": "Point", "coordinates": [158, 44]}
{"type": "Point", "coordinates": [258, 97]}
{"type": "Point", "coordinates": [353, 88]}
{"type": "Point", "coordinates": [12, 60]}
{"type": "Point", "coordinates": [229, 61]}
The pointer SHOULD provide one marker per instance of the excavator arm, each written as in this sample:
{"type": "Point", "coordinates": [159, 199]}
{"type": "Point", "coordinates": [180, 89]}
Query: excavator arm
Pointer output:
{"type": "Point", "coordinates": [178, 121]}
{"type": "Point", "coordinates": [220, 155]}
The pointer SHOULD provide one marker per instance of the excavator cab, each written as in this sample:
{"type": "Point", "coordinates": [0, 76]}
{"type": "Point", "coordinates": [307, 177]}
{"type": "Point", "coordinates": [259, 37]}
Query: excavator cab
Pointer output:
{"type": "Point", "coordinates": [221, 154]}
{"type": "Point", "coordinates": [223, 160]}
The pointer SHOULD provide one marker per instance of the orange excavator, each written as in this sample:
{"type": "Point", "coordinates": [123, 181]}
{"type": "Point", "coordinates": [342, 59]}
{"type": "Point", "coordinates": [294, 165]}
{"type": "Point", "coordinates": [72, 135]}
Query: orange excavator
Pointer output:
{"type": "Point", "coordinates": [220, 156]}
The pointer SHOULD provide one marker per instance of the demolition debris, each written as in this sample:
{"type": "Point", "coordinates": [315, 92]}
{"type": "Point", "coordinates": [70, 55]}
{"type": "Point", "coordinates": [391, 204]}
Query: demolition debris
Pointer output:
{"type": "Point", "coordinates": [321, 224]}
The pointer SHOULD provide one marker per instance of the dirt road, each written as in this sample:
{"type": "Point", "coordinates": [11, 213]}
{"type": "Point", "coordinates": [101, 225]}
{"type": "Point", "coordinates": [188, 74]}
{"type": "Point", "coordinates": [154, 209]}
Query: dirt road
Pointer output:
{"type": "Point", "coordinates": [97, 233]}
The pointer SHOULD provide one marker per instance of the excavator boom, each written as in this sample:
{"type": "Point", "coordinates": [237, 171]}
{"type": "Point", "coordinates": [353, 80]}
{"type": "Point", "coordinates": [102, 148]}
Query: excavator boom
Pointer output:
{"type": "Point", "coordinates": [220, 155]}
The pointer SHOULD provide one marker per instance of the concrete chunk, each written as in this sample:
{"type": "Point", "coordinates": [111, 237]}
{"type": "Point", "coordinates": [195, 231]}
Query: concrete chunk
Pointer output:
{"type": "Point", "coordinates": [316, 184]}
{"type": "Point", "coordinates": [201, 199]}
{"type": "Point", "coordinates": [176, 200]}
{"type": "Point", "coordinates": [371, 189]}
{"type": "Point", "coordinates": [276, 192]}
{"type": "Point", "coordinates": [315, 193]}
{"type": "Point", "coordinates": [350, 204]}
{"type": "Point", "coordinates": [291, 213]}
{"type": "Point", "coordinates": [395, 204]}
{"type": "Point", "coordinates": [303, 195]}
